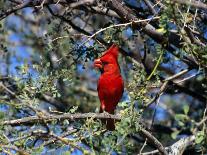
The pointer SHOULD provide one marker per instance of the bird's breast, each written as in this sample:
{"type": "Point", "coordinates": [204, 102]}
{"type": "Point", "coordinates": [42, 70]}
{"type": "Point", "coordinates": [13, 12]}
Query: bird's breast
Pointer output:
{"type": "Point", "coordinates": [110, 90]}
{"type": "Point", "coordinates": [110, 81]}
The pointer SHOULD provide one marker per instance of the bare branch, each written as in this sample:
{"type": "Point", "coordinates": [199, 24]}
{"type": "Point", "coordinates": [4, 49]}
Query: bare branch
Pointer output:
{"type": "Point", "coordinates": [173, 39]}
{"type": "Point", "coordinates": [193, 3]}
{"type": "Point", "coordinates": [12, 147]}
{"type": "Point", "coordinates": [104, 11]}
{"type": "Point", "coordinates": [148, 3]}
{"type": "Point", "coordinates": [177, 148]}
{"type": "Point", "coordinates": [117, 25]}
{"type": "Point", "coordinates": [40, 4]}
{"type": "Point", "coordinates": [180, 146]}
{"type": "Point", "coordinates": [49, 118]}
{"type": "Point", "coordinates": [14, 9]}
{"type": "Point", "coordinates": [154, 141]}
{"type": "Point", "coordinates": [82, 2]}
{"type": "Point", "coordinates": [164, 86]}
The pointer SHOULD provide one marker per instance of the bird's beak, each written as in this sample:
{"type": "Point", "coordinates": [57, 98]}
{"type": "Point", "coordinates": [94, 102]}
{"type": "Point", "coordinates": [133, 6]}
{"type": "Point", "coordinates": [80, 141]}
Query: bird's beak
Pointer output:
{"type": "Point", "coordinates": [98, 64]}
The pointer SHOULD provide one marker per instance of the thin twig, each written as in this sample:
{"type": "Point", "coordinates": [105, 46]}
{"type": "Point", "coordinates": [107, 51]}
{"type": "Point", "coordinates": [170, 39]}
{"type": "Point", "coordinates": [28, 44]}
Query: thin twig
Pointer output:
{"type": "Point", "coordinates": [67, 36]}
{"type": "Point", "coordinates": [62, 135]}
{"type": "Point", "coordinates": [116, 25]}
{"type": "Point", "coordinates": [154, 141]}
{"type": "Point", "coordinates": [151, 7]}
{"type": "Point", "coordinates": [187, 78]}
{"type": "Point", "coordinates": [14, 9]}
{"type": "Point", "coordinates": [193, 3]}
{"type": "Point", "coordinates": [164, 86]}
{"type": "Point", "coordinates": [143, 146]}
{"type": "Point", "coordinates": [177, 75]}
{"type": "Point", "coordinates": [41, 4]}
{"type": "Point", "coordinates": [7, 89]}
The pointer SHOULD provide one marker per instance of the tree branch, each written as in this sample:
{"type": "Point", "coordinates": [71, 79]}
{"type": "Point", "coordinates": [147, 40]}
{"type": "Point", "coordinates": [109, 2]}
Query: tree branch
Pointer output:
{"type": "Point", "coordinates": [40, 4]}
{"type": "Point", "coordinates": [149, 4]}
{"type": "Point", "coordinates": [172, 39]}
{"type": "Point", "coordinates": [154, 141]}
{"type": "Point", "coordinates": [193, 3]}
{"type": "Point", "coordinates": [177, 148]}
{"type": "Point", "coordinates": [49, 118]}
{"type": "Point", "coordinates": [14, 9]}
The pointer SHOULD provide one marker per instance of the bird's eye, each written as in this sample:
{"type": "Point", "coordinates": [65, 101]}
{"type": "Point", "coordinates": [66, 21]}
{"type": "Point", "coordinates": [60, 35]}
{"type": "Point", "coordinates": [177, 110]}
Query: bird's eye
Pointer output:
{"type": "Point", "coordinates": [105, 63]}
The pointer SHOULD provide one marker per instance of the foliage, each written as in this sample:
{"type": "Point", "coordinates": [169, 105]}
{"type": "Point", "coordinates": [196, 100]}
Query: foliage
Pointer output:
{"type": "Point", "coordinates": [47, 50]}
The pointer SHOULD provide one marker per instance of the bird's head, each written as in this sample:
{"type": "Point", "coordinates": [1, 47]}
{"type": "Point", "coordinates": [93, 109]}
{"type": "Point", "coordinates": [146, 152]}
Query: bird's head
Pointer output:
{"type": "Point", "coordinates": [98, 64]}
{"type": "Point", "coordinates": [108, 61]}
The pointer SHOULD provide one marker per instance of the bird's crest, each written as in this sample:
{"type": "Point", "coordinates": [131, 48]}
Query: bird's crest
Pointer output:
{"type": "Point", "coordinates": [113, 50]}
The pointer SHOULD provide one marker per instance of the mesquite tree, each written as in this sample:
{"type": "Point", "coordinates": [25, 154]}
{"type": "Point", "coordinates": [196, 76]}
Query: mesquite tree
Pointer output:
{"type": "Point", "coordinates": [48, 96]}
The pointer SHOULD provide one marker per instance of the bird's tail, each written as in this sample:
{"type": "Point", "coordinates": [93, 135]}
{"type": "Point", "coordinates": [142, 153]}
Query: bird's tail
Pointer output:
{"type": "Point", "coordinates": [110, 123]}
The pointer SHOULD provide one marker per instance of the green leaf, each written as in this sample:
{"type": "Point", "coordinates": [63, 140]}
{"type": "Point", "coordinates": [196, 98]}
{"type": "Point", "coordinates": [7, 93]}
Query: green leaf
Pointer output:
{"type": "Point", "coordinates": [123, 104]}
{"type": "Point", "coordinates": [66, 122]}
{"type": "Point", "coordinates": [48, 64]}
{"type": "Point", "coordinates": [161, 30]}
{"type": "Point", "coordinates": [2, 115]}
{"type": "Point", "coordinates": [200, 137]}
{"type": "Point", "coordinates": [186, 109]}
{"type": "Point", "coordinates": [58, 95]}
{"type": "Point", "coordinates": [37, 150]}
{"type": "Point", "coordinates": [174, 134]}
{"type": "Point", "coordinates": [181, 117]}
{"type": "Point", "coordinates": [180, 123]}
{"type": "Point", "coordinates": [73, 109]}
{"type": "Point", "coordinates": [65, 79]}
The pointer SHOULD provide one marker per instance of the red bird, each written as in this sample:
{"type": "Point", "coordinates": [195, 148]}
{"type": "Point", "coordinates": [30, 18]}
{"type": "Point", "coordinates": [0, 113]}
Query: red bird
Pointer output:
{"type": "Point", "coordinates": [110, 84]}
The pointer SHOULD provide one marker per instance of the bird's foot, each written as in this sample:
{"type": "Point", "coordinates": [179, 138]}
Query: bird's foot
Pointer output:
{"type": "Point", "coordinates": [106, 113]}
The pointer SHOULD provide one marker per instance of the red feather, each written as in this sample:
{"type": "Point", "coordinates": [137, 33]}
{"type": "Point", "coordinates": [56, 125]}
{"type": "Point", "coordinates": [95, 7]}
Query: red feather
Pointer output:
{"type": "Point", "coordinates": [110, 85]}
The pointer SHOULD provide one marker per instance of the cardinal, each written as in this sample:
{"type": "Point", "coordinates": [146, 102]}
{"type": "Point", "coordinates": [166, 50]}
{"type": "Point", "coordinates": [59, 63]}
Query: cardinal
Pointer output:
{"type": "Point", "coordinates": [110, 84]}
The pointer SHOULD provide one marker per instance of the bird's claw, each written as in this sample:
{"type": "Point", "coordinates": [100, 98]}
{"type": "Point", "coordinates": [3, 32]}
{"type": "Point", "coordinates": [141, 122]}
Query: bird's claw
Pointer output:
{"type": "Point", "coordinates": [106, 113]}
